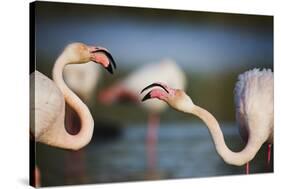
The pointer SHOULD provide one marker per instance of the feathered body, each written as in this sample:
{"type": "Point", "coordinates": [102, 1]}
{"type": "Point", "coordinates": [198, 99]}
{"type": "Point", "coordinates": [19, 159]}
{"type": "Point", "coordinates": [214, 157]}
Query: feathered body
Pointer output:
{"type": "Point", "coordinates": [254, 100]}
{"type": "Point", "coordinates": [47, 108]}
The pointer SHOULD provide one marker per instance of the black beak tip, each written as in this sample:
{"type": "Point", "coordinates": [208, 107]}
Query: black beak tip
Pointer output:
{"type": "Point", "coordinates": [109, 69]}
{"type": "Point", "coordinates": [109, 56]}
{"type": "Point", "coordinates": [143, 90]}
{"type": "Point", "coordinates": [146, 97]}
{"type": "Point", "coordinates": [111, 60]}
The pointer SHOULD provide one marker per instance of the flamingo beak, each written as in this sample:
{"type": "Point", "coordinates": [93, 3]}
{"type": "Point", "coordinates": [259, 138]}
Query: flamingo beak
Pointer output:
{"type": "Point", "coordinates": [148, 95]}
{"type": "Point", "coordinates": [108, 65]}
{"type": "Point", "coordinates": [155, 85]}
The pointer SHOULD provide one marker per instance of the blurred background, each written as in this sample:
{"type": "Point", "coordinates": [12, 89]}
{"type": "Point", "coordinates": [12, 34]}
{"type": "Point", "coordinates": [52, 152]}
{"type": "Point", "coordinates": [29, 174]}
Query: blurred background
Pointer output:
{"type": "Point", "coordinates": [211, 48]}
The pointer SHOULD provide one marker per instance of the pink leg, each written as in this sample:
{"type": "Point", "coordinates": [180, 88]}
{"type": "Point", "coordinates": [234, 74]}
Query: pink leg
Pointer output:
{"type": "Point", "coordinates": [151, 141]}
{"type": "Point", "coordinates": [268, 156]}
{"type": "Point", "coordinates": [37, 175]}
{"type": "Point", "coordinates": [247, 168]}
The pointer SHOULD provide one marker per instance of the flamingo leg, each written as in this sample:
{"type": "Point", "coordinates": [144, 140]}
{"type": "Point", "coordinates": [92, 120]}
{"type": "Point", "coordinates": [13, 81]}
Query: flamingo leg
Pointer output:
{"type": "Point", "coordinates": [268, 156]}
{"type": "Point", "coordinates": [151, 141]}
{"type": "Point", "coordinates": [37, 177]}
{"type": "Point", "coordinates": [247, 168]}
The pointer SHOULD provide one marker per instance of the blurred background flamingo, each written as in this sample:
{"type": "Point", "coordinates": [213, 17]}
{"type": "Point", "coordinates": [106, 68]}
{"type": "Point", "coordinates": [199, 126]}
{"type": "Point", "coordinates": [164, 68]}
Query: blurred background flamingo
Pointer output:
{"type": "Point", "coordinates": [129, 88]}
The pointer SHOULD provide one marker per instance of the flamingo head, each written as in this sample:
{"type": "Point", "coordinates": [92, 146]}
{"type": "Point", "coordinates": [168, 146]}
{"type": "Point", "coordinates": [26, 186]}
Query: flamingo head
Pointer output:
{"type": "Point", "coordinates": [176, 98]}
{"type": "Point", "coordinates": [79, 53]}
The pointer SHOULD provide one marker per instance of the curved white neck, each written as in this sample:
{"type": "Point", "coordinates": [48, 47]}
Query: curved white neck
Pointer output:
{"type": "Point", "coordinates": [230, 157]}
{"type": "Point", "coordinates": [87, 123]}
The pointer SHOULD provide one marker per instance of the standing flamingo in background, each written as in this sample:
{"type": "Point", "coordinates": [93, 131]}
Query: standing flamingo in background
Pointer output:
{"type": "Point", "coordinates": [254, 113]}
{"type": "Point", "coordinates": [48, 107]}
{"type": "Point", "coordinates": [167, 71]}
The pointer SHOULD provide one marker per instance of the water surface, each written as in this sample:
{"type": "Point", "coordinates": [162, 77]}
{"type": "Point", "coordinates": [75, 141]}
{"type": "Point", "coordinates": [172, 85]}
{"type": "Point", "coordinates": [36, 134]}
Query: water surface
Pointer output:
{"type": "Point", "coordinates": [183, 151]}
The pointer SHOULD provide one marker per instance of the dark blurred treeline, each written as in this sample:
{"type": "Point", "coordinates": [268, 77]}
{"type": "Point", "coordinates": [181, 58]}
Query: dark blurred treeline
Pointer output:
{"type": "Point", "coordinates": [83, 11]}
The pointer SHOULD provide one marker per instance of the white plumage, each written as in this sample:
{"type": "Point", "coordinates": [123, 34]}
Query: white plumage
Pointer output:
{"type": "Point", "coordinates": [254, 99]}
{"type": "Point", "coordinates": [47, 104]}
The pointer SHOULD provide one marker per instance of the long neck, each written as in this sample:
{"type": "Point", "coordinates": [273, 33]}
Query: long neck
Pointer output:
{"type": "Point", "coordinates": [230, 157]}
{"type": "Point", "coordinates": [87, 123]}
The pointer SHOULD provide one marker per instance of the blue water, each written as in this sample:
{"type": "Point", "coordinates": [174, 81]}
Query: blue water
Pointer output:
{"type": "Point", "coordinates": [183, 151]}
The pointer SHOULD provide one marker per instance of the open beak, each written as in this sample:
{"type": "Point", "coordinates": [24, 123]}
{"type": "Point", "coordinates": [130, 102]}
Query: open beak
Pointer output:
{"type": "Point", "coordinates": [148, 95]}
{"type": "Point", "coordinates": [112, 64]}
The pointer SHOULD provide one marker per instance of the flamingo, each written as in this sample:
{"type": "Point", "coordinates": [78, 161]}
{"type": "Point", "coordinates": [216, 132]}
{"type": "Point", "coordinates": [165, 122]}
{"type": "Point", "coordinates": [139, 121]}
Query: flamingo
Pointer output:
{"type": "Point", "coordinates": [254, 113]}
{"type": "Point", "coordinates": [165, 71]}
{"type": "Point", "coordinates": [48, 107]}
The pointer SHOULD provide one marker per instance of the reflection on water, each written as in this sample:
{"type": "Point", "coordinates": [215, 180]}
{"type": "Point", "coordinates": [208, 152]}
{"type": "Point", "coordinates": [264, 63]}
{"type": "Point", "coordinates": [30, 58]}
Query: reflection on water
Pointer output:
{"type": "Point", "coordinates": [183, 151]}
